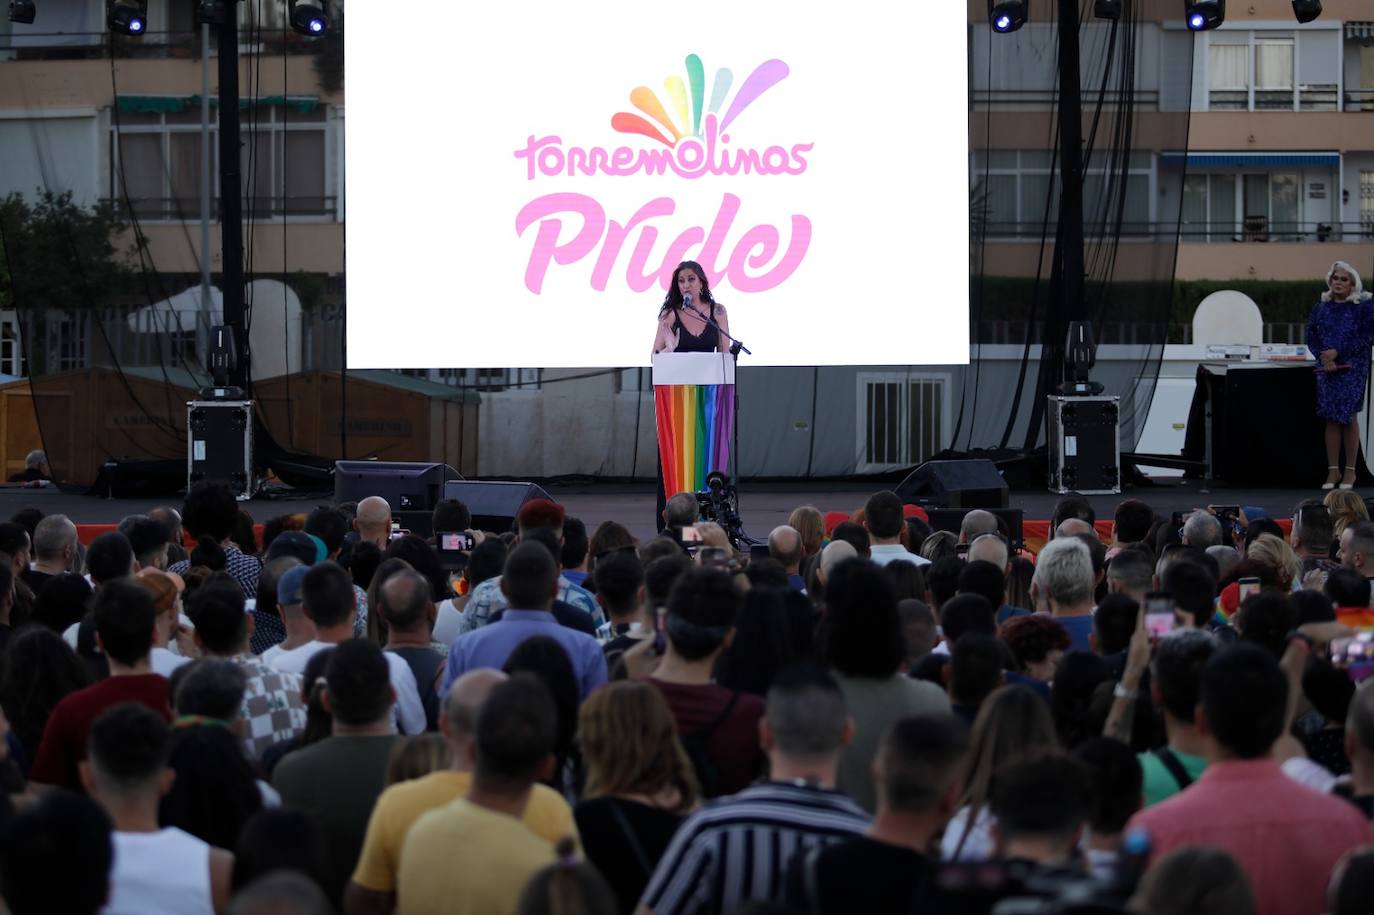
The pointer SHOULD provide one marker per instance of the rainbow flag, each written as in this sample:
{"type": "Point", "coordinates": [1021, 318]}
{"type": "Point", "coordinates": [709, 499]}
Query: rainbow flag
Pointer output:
{"type": "Point", "coordinates": [695, 424]}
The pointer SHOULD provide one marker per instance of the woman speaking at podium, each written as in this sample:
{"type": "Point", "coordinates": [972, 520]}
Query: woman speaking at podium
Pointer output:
{"type": "Point", "coordinates": [682, 325]}
{"type": "Point", "coordinates": [1339, 333]}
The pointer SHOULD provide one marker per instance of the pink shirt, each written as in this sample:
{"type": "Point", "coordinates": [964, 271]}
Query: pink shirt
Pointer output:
{"type": "Point", "coordinates": [1286, 837]}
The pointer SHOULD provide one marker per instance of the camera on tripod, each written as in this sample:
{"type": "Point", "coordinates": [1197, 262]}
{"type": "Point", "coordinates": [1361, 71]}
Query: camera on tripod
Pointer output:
{"type": "Point", "coordinates": [719, 502]}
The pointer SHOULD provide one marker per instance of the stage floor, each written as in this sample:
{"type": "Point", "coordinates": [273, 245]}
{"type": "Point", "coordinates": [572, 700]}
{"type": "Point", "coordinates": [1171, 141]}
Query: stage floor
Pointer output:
{"type": "Point", "coordinates": [762, 505]}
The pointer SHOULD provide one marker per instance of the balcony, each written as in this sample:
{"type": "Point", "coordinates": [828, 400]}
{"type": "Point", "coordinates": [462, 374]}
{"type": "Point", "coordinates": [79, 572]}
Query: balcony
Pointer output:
{"type": "Point", "coordinates": [29, 44]}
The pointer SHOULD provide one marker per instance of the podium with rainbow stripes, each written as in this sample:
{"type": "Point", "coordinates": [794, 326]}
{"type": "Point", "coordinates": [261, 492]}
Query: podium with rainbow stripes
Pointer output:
{"type": "Point", "coordinates": [694, 403]}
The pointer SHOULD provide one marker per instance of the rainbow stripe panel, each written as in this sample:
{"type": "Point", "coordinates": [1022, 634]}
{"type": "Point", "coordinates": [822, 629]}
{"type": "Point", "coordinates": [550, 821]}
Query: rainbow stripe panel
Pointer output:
{"type": "Point", "coordinates": [695, 425]}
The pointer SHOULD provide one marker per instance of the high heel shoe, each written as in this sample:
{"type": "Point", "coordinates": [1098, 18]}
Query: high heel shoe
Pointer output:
{"type": "Point", "coordinates": [1348, 484]}
{"type": "Point", "coordinates": [1332, 477]}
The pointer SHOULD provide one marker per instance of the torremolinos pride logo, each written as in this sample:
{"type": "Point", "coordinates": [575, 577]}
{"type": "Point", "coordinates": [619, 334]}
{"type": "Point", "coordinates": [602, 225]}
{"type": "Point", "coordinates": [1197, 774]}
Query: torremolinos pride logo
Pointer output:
{"type": "Point", "coordinates": [690, 141]}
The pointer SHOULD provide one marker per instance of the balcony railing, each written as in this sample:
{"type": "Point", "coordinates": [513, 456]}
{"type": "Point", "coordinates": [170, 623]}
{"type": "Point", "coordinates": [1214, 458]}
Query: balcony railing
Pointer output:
{"type": "Point", "coordinates": [1252, 230]}
{"type": "Point", "coordinates": [23, 43]}
{"type": "Point", "coordinates": [187, 209]}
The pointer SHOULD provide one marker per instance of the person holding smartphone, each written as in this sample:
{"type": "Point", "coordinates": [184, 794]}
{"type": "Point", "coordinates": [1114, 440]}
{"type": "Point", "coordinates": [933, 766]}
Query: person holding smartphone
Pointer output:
{"type": "Point", "coordinates": [1340, 331]}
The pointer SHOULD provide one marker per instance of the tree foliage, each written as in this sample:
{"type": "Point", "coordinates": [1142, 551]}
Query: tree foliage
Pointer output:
{"type": "Point", "coordinates": [55, 254]}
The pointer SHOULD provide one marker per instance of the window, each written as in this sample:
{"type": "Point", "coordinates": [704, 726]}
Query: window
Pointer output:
{"type": "Point", "coordinates": [1228, 77]}
{"type": "Point", "coordinates": [1013, 196]}
{"type": "Point", "coordinates": [284, 167]}
{"type": "Point", "coordinates": [1273, 70]}
{"type": "Point", "coordinates": [1270, 206]}
{"type": "Point", "coordinates": [900, 418]}
{"type": "Point", "coordinates": [1367, 203]}
{"type": "Point", "coordinates": [1273, 74]}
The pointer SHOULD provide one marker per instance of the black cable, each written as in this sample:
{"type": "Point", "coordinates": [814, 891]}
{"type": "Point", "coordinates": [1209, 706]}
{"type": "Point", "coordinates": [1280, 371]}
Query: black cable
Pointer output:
{"type": "Point", "coordinates": [285, 319]}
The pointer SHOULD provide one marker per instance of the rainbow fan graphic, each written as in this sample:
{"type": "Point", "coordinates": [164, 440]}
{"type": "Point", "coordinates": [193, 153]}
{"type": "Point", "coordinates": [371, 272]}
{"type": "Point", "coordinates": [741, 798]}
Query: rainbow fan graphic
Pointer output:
{"type": "Point", "coordinates": [689, 112]}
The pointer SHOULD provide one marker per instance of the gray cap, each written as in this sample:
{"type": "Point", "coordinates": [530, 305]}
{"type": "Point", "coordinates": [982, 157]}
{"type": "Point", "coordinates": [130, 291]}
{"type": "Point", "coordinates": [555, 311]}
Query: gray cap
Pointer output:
{"type": "Point", "coordinates": [289, 586]}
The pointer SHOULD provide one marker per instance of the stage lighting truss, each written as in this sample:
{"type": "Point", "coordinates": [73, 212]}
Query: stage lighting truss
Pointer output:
{"type": "Point", "coordinates": [1107, 9]}
{"type": "Point", "coordinates": [22, 11]}
{"type": "Point", "coordinates": [1007, 15]}
{"type": "Point", "coordinates": [309, 18]}
{"type": "Point", "coordinates": [1307, 10]}
{"type": "Point", "coordinates": [127, 16]}
{"type": "Point", "coordinates": [1202, 15]}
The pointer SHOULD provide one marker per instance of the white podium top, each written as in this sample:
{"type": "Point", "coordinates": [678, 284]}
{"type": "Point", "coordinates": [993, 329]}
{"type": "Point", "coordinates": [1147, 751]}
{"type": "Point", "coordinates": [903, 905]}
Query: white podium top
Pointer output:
{"type": "Point", "coordinates": [693, 368]}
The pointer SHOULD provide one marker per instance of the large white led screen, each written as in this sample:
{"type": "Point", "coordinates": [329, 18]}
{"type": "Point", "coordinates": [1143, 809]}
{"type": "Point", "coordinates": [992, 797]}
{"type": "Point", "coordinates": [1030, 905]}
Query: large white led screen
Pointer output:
{"type": "Point", "coordinates": [522, 180]}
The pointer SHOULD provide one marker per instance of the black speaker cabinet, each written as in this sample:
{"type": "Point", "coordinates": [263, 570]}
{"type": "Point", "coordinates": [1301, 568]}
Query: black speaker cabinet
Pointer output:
{"type": "Point", "coordinates": [494, 505]}
{"type": "Point", "coordinates": [955, 484]}
{"type": "Point", "coordinates": [949, 519]}
{"type": "Point", "coordinates": [407, 487]}
{"type": "Point", "coordinates": [219, 444]}
{"type": "Point", "coordinates": [1085, 445]}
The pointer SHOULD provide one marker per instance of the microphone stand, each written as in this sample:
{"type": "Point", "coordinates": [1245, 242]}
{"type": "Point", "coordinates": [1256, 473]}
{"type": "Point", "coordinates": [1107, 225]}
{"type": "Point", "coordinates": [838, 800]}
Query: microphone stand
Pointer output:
{"type": "Point", "coordinates": [736, 347]}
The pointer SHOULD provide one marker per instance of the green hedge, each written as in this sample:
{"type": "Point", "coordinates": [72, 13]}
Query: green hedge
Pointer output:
{"type": "Point", "coordinates": [1011, 298]}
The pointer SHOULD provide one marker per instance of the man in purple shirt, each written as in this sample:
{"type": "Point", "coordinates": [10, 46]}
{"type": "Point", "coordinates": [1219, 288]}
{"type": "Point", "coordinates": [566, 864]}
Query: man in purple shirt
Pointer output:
{"type": "Point", "coordinates": [530, 582]}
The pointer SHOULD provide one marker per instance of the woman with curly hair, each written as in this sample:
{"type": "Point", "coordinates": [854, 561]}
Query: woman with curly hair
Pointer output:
{"type": "Point", "coordinates": [639, 784]}
{"type": "Point", "coordinates": [1038, 642]}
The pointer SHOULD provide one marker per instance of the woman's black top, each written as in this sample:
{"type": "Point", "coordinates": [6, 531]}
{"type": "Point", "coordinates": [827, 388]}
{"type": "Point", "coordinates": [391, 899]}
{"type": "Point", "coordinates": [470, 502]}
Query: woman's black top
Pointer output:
{"type": "Point", "coordinates": [708, 342]}
{"type": "Point", "coordinates": [624, 840]}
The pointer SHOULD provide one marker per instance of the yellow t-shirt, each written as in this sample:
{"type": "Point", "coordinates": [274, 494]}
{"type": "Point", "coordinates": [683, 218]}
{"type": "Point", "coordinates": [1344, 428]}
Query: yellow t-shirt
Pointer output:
{"type": "Point", "coordinates": [466, 860]}
{"type": "Point", "coordinates": [547, 816]}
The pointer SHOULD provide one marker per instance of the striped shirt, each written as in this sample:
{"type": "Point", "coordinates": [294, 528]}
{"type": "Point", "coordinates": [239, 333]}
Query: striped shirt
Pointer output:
{"type": "Point", "coordinates": [737, 849]}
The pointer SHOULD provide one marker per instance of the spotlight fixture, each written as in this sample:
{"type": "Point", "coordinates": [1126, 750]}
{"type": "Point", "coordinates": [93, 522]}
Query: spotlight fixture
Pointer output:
{"type": "Point", "coordinates": [1307, 10]}
{"type": "Point", "coordinates": [1202, 15]}
{"type": "Point", "coordinates": [210, 12]}
{"type": "Point", "coordinates": [22, 11]}
{"type": "Point", "coordinates": [1107, 9]}
{"type": "Point", "coordinates": [1006, 15]}
{"type": "Point", "coordinates": [308, 18]}
{"type": "Point", "coordinates": [127, 16]}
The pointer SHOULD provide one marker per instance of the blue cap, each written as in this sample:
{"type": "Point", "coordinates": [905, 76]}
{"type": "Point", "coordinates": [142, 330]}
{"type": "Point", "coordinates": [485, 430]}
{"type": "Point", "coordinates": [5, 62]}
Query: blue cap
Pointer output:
{"type": "Point", "coordinates": [289, 586]}
{"type": "Point", "coordinates": [295, 544]}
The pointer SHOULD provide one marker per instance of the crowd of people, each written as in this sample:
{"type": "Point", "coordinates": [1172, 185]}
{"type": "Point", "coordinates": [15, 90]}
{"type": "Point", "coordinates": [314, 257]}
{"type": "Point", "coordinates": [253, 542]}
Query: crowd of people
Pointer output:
{"type": "Point", "coordinates": [1162, 715]}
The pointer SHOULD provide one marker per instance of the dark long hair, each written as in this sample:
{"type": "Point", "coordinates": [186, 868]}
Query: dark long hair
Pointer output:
{"type": "Point", "coordinates": [40, 670]}
{"type": "Point", "coordinates": [673, 300]}
{"type": "Point", "coordinates": [214, 792]}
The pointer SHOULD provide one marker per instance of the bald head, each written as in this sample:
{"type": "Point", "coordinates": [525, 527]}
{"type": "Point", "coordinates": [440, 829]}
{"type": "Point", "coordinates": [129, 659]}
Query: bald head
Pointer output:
{"type": "Point", "coordinates": [407, 601]}
{"type": "Point", "coordinates": [990, 548]}
{"type": "Point", "coordinates": [836, 552]}
{"type": "Point", "coordinates": [976, 522]}
{"type": "Point", "coordinates": [373, 521]}
{"type": "Point", "coordinates": [1070, 526]}
{"type": "Point", "coordinates": [465, 698]}
{"type": "Point", "coordinates": [785, 545]}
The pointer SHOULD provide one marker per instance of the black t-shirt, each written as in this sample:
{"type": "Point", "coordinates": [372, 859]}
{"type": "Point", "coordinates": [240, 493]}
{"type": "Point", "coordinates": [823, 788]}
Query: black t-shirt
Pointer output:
{"type": "Point", "coordinates": [859, 875]}
{"type": "Point", "coordinates": [624, 848]}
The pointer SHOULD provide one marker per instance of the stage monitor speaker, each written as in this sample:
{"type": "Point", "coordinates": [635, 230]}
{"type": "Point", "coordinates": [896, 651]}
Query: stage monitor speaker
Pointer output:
{"type": "Point", "coordinates": [494, 505]}
{"type": "Point", "coordinates": [955, 484]}
{"type": "Point", "coordinates": [949, 519]}
{"type": "Point", "coordinates": [407, 487]}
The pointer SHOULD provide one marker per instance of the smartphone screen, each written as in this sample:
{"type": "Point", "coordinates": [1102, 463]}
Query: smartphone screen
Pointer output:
{"type": "Point", "coordinates": [1159, 614]}
{"type": "Point", "coordinates": [689, 535]}
{"type": "Point", "coordinates": [1248, 585]}
{"type": "Point", "coordinates": [450, 541]}
{"type": "Point", "coordinates": [714, 556]}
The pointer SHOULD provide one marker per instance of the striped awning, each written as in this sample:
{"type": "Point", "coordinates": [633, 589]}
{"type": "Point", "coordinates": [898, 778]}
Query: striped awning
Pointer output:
{"type": "Point", "coordinates": [1250, 159]}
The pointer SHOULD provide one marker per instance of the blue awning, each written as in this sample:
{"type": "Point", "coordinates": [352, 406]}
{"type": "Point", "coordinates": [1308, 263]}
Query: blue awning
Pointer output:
{"type": "Point", "coordinates": [1251, 159]}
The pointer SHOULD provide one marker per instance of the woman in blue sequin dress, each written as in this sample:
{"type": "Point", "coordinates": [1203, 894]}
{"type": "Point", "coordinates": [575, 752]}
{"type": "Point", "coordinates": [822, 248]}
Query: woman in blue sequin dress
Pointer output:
{"type": "Point", "coordinates": [1339, 334]}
